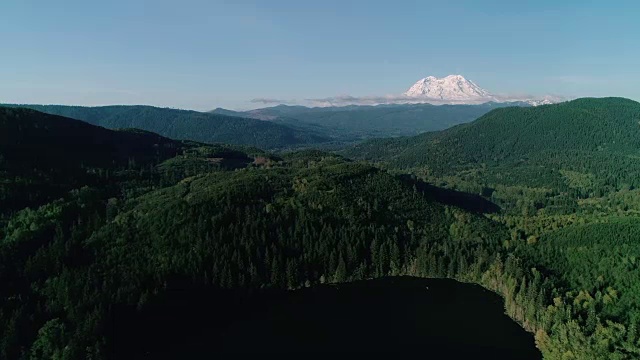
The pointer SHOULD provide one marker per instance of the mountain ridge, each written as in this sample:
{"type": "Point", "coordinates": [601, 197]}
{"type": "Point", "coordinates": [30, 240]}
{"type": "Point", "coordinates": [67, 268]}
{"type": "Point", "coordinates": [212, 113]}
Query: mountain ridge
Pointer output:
{"type": "Point", "coordinates": [367, 121]}
{"type": "Point", "coordinates": [187, 124]}
{"type": "Point", "coordinates": [580, 135]}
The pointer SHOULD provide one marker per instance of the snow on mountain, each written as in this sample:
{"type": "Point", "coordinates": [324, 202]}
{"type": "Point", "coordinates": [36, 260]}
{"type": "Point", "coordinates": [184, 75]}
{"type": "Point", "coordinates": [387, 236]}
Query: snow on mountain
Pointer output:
{"type": "Point", "coordinates": [452, 87]}
{"type": "Point", "coordinates": [455, 89]}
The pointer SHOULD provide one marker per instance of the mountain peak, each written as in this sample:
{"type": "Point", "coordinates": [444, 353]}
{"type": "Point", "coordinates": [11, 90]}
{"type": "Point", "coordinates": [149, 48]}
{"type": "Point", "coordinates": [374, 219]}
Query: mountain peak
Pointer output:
{"type": "Point", "coordinates": [448, 88]}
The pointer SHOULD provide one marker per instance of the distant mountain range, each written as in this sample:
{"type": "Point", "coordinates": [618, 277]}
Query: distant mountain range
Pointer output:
{"type": "Point", "coordinates": [280, 127]}
{"type": "Point", "coordinates": [285, 127]}
{"type": "Point", "coordinates": [351, 123]}
{"type": "Point", "coordinates": [189, 125]}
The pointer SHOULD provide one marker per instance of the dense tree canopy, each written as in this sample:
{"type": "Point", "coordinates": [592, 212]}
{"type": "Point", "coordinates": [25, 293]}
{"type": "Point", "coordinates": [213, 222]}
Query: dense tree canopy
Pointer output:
{"type": "Point", "coordinates": [114, 219]}
{"type": "Point", "coordinates": [566, 178]}
{"type": "Point", "coordinates": [202, 215]}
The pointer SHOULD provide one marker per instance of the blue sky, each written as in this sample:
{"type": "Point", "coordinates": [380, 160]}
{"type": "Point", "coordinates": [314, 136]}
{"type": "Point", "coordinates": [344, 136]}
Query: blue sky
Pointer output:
{"type": "Point", "coordinates": [199, 54]}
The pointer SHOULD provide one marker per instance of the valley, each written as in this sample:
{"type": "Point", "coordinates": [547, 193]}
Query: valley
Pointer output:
{"type": "Point", "coordinates": [282, 127]}
{"type": "Point", "coordinates": [112, 222]}
{"type": "Point", "coordinates": [343, 178]}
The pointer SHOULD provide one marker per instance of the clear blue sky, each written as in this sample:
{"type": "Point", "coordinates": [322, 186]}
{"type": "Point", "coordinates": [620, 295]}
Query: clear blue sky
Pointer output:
{"type": "Point", "coordinates": [201, 54]}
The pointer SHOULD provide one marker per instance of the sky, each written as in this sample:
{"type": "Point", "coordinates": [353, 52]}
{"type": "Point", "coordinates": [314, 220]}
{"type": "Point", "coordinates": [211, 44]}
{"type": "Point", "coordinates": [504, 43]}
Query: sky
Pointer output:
{"type": "Point", "coordinates": [199, 54]}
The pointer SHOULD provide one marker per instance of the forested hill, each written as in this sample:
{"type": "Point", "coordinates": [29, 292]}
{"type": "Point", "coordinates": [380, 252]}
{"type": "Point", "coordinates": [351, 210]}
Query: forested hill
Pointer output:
{"type": "Point", "coordinates": [37, 136]}
{"type": "Point", "coordinates": [567, 178]}
{"type": "Point", "coordinates": [609, 125]}
{"type": "Point", "coordinates": [43, 156]}
{"type": "Point", "coordinates": [576, 135]}
{"type": "Point", "coordinates": [103, 224]}
{"type": "Point", "coordinates": [131, 215]}
{"type": "Point", "coordinates": [188, 125]}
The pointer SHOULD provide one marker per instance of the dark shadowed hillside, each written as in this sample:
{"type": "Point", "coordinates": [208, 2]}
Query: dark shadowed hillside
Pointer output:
{"type": "Point", "coordinates": [129, 215]}
{"type": "Point", "coordinates": [43, 156]}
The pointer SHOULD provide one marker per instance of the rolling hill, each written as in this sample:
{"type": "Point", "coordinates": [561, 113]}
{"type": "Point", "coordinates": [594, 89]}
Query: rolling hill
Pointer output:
{"type": "Point", "coordinates": [595, 136]}
{"type": "Point", "coordinates": [43, 156]}
{"type": "Point", "coordinates": [129, 215]}
{"type": "Point", "coordinates": [566, 178]}
{"type": "Point", "coordinates": [104, 223]}
{"type": "Point", "coordinates": [188, 125]}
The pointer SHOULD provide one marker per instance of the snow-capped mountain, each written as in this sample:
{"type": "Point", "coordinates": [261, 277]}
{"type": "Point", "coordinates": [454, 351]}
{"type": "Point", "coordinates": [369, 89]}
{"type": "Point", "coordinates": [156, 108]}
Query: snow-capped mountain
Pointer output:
{"type": "Point", "coordinates": [452, 87]}
{"type": "Point", "coordinates": [455, 89]}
